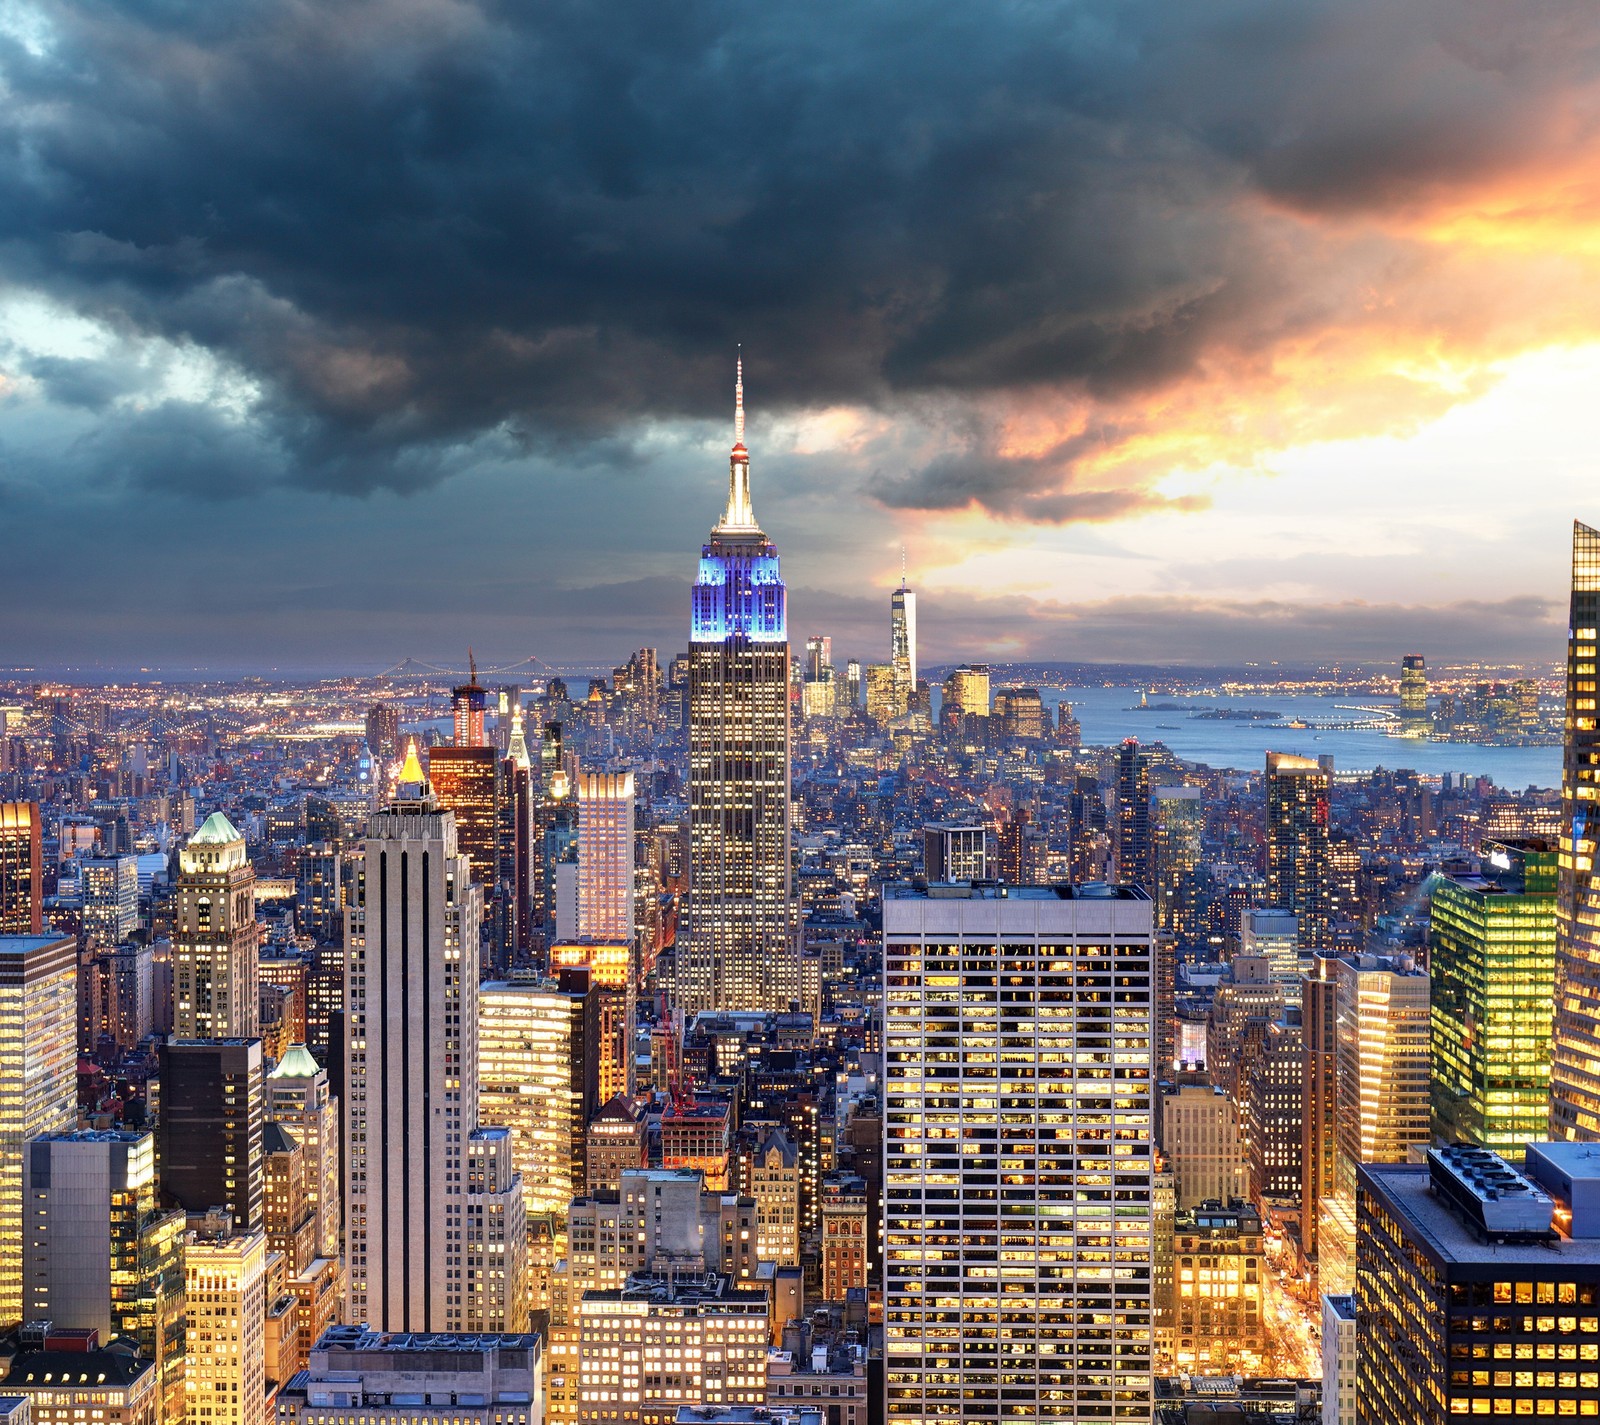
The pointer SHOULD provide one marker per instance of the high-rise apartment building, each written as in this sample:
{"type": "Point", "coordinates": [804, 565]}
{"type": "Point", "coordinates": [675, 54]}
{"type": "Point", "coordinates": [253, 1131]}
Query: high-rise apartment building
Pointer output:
{"type": "Point", "coordinates": [110, 897]}
{"type": "Point", "coordinates": [319, 897]}
{"type": "Point", "coordinates": [21, 883]}
{"type": "Point", "coordinates": [1017, 1033]}
{"type": "Point", "coordinates": [1575, 1039]}
{"type": "Point", "coordinates": [739, 952]}
{"type": "Point", "coordinates": [215, 953]}
{"type": "Point", "coordinates": [1247, 998]}
{"type": "Point", "coordinates": [383, 731]}
{"type": "Point", "coordinates": [1177, 818]}
{"type": "Point", "coordinates": [467, 782]}
{"type": "Point", "coordinates": [1020, 714]}
{"type": "Point", "coordinates": [1132, 827]}
{"type": "Point", "coordinates": [38, 1078]}
{"type": "Point", "coordinates": [613, 977]}
{"type": "Point", "coordinates": [411, 1074]}
{"type": "Point", "coordinates": [770, 1174]}
{"type": "Point", "coordinates": [965, 693]}
{"type": "Point", "coordinates": [99, 1252]}
{"type": "Point", "coordinates": [1318, 1107]}
{"type": "Point", "coordinates": [605, 855]}
{"type": "Point", "coordinates": [616, 1141]}
{"type": "Point", "coordinates": [1491, 956]}
{"type": "Point", "coordinates": [210, 1127]}
{"type": "Point", "coordinates": [1272, 1095]}
{"type": "Point", "coordinates": [1299, 873]}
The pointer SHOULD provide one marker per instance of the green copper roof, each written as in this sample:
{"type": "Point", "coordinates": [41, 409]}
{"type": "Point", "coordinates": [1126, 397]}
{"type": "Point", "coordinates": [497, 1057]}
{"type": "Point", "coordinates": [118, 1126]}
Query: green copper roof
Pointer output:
{"type": "Point", "coordinates": [216, 830]}
{"type": "Point", "coordinates": [296, 1063]}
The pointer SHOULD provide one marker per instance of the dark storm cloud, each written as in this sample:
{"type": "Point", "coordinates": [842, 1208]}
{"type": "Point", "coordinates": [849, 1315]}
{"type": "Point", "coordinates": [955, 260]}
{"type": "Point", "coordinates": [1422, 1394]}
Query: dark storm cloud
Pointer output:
{"type": "Point", "coordinates": [416, 225]}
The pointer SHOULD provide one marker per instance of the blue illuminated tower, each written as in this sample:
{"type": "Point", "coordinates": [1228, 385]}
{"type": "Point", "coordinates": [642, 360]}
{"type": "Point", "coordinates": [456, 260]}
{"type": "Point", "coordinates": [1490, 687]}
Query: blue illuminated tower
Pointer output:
{"type": "Point", "coordinates": [739, 952]}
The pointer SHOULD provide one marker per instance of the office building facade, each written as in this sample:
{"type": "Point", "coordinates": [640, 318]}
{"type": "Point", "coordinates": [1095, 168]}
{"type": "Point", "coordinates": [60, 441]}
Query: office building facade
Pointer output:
{"type": "Point", "coordinates": [21, 872]}
{"type": "Point", "coordinates": [411, 1076]}
{"type": "Point", "coordinates": [1575, 1041]}
{"type": "Point", "coordinates": [1491, 957]}
{"type": "Point", "coordinates": [38, 1078]}
{"type": "Point", "coordinates": [1299, 869]}
{"type": "Point", "coordinates": [1038, 999]}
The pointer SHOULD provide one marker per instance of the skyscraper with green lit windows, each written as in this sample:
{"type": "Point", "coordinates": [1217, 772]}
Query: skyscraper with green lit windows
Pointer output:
{"type": "Point", "coordinates": [1492, 961]}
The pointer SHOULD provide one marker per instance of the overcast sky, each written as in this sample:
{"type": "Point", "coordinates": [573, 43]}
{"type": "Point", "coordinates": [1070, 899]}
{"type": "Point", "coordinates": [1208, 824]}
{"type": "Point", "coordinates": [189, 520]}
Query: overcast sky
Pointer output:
{"type": "Point", "coordinates": [1165, 330]}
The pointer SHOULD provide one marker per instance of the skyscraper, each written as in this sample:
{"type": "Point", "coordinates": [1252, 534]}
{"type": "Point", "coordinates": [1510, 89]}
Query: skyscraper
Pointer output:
{"type": "Point", "coordinates": [1055, 985]}
{"type": "Point", "coordinates": [605, 855]}
{"type": "Point", "coordinates": [38, 1077]}
{"type": "Point", "coordinates": [21, 889]}
{"type": "Point", "coordinates": [100, 1252]}
{"type": "Point", "coordinates": [215, 966]}
{"type": "Point", "coordinates": [1298, 870]}
{"type": "Point", "coordinates": [1177, 817]}
{"type": "Point", "coordinates": [740, 910]}
{"type": "Point", "coordinates": [383, 731]}
{"type": "Point", "coordinates": [1413, 686]}
{"type": "Point", "coordinates": [1380, 1091]}
{"type": "Point", "coordinates": [411, 1078]}
{"type": "Point", "coordinates": [210, 1130]}
{"type": "Point", "coordinates": [225, 1281]}
{"type": "Point", "coordinates": [1133, 814]}
{"type": "Point", "coordinates": [110, 897]}
{"type": "Point", "coordinates": [298, 1100]}
{"type": "Point", "coordinates": [1575, 1039]}
{"type": "Point", "coordinates": [530, 1063]}
{"type": "Point", "coordinates": [1492, 946]}
{"type": "Point", "coordinates": [467, 703]}
{"type": "Point", "coordinates": [903, 639]}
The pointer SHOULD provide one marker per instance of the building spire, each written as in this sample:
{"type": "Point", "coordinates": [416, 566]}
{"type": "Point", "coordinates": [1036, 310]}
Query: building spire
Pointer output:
{"type": "Point", "coordinates": [740, 516]}
{"type": "Point", "coordinates": [738, 398]}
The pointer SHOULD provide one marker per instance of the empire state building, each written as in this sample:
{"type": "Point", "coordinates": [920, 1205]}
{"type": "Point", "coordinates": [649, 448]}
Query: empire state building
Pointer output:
{"type": "Point", "coordinates": [740, 950]}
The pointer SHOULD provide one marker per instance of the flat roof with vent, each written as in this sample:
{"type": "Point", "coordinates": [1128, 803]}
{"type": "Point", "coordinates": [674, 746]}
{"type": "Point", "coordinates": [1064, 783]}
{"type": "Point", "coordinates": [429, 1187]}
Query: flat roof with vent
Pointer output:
{"type": "Point", "coordinates": [1490, 1195]}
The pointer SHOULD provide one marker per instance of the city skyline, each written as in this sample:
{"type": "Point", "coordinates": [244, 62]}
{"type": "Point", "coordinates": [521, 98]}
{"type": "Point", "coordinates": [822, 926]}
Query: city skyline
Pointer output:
{"type": "Point", "coordinates": [1122, 362]}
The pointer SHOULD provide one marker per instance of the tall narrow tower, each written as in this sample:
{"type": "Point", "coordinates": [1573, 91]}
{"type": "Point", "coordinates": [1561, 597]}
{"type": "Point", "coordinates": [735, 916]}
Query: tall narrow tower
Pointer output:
{"type": "Point", "coordinates": [411, 1052]}
{"type": "Point", "coordinates": [1575, 1036]}
{"type": "Point", "coordinates": [739, 946]}
{"type": "Point", "coordinates": [215, 952]}
{"type": "Point", "coordinates": [903, 638]}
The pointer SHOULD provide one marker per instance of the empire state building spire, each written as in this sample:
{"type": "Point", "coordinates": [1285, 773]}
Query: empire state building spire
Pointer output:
{"type": "Point", "coordinates": [736, 942]}
{"type": "Point", "coordinates": [740, 516]}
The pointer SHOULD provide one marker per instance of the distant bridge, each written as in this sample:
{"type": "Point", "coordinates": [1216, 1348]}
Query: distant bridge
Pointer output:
{"type": "Point", "coordinates": [416, 668]}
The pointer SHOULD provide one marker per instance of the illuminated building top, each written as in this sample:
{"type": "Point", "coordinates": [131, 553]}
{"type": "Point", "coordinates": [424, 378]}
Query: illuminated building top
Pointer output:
{"type": "Point", "coordinates": [739, 592]}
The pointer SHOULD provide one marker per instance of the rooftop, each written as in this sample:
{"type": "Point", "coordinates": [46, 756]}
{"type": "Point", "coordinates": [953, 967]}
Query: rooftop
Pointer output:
{"type": "Point", "coordinates": [999, 891]}
{"type": "Point", "coordinates": [76, 1368]}
{"type": "Point", "coordinates": [216, 830]}
{"type": "Point", "coordinates": [1408, 1190]}
{"type": "Point", "coordinates": [362, 1338]}
{"type": "Point", "coordinates": [296, 1063]}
